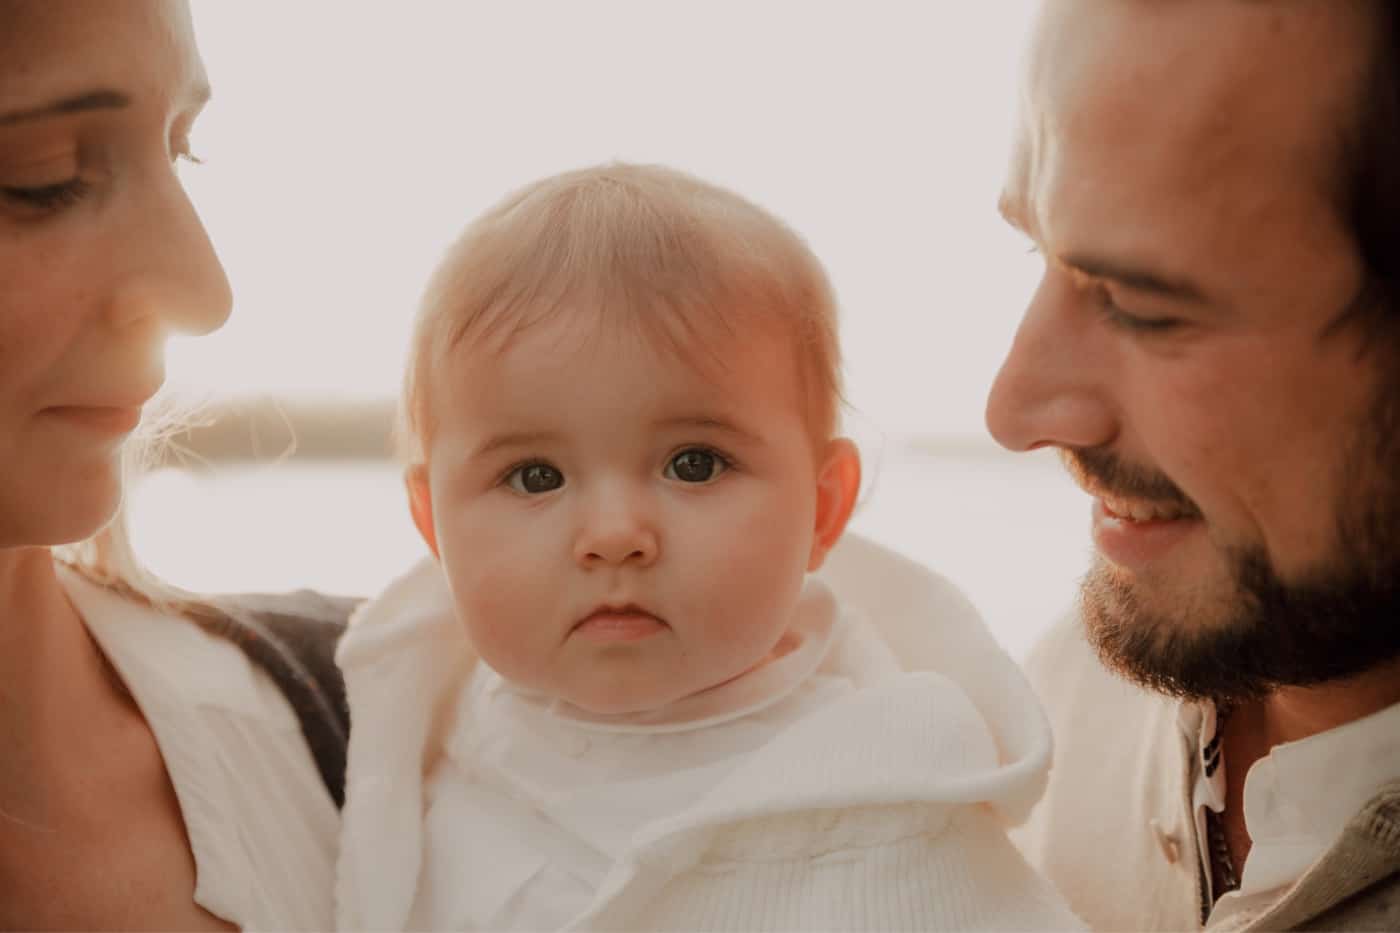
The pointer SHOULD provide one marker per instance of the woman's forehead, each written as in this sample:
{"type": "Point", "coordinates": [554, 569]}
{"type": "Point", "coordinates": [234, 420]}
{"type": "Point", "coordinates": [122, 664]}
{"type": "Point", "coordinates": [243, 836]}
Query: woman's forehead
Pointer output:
{"type": "Point", "coordinates": [55, 51]}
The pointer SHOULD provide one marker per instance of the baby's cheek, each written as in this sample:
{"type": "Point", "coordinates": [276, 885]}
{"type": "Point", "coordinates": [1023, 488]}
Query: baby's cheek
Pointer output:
{"type": "Point", "coordinates": [505, 608]}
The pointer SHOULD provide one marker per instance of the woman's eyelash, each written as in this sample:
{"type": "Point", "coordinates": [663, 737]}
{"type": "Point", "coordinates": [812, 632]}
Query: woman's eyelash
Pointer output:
{"type": "Point", "coordinates": [50, 197]}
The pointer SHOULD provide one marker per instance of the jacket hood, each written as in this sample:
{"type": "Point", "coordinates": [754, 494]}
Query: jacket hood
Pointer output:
{"type": "Point", "coordinates": [930, 626]}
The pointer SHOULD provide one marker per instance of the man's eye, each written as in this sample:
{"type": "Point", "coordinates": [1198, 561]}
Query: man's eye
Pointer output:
{"type": "Point", "coordinates": [534, 478]}
{"type": "Point", "coordinates": [1139, 325]}
{"type": "Point", "coordinates": [1125, 320]}
{"type": "Point", "coordinates": [48, 197]}
{"type": "Point", "coordinates": [696, 465]}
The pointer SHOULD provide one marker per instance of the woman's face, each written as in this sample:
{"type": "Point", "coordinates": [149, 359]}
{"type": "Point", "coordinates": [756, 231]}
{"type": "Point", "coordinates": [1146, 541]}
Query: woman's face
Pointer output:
{"type": "Point", "coordinates": [101, 254]}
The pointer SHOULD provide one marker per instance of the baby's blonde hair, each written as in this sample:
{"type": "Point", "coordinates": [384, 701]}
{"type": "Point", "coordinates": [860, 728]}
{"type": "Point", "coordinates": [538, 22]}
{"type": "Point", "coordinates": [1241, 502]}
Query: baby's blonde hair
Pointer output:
{"type": "Point", "coordinates": [643, 247]}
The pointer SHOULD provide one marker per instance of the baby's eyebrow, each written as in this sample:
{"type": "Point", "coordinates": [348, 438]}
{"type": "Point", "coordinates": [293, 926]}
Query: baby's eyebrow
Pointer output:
{"type": "Point", "coordinates": [511, 439]}
{"type": "Point", "coordinates": [711, 423]}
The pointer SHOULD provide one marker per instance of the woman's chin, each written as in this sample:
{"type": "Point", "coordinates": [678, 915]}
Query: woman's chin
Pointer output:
{"type": "Point", "coordinates": [60, 514]}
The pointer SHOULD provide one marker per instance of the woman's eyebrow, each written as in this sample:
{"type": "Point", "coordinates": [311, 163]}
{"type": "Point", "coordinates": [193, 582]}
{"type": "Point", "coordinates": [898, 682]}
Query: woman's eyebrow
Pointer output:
{"type": "Point", "coordinates": [89, 100]}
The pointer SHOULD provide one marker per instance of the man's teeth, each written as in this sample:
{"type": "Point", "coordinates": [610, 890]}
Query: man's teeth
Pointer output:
{"type": "Point", "coordinates": [1142, 511]}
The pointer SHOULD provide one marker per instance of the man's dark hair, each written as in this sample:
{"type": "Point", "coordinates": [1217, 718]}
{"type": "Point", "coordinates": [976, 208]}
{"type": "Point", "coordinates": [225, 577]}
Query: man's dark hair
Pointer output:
{"type": "Point", "coordinates": [1371, 173]}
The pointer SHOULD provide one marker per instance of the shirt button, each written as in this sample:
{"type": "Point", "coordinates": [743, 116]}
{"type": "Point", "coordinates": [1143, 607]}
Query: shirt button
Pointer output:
{"type": "Point", "coordinates": [1169, 842]}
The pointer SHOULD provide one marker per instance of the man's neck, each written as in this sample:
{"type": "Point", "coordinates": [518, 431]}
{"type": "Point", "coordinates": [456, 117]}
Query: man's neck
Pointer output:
{"type": "Point", "coordinates": [1290, 715]}
{"type": "Point", "coordinates": [1294, 713]}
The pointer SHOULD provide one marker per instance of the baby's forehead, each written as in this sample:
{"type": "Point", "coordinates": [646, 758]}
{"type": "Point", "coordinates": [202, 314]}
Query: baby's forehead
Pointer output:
{"type": "Point", "coordinates": [709, 343]}
{"type": "Point", "coordinates": [547, 359]}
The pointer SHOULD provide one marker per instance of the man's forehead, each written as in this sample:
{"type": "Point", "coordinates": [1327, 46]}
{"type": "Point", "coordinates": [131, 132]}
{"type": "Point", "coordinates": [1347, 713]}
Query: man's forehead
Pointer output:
{"type": "Point", "coordinates": [1180, 113]}
{"type": "Point", "coordinates": [1204, 73]}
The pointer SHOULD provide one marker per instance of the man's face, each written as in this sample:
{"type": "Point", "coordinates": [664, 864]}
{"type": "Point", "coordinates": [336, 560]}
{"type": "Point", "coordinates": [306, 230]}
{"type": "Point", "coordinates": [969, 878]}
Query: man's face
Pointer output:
{"type": "Point", "coordinates": [1177, 166]}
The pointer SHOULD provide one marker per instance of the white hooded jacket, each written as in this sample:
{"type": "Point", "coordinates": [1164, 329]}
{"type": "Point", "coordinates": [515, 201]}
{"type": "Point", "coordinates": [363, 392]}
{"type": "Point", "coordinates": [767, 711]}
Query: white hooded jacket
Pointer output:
{"type": "Point", "coordinates": [882, 810]}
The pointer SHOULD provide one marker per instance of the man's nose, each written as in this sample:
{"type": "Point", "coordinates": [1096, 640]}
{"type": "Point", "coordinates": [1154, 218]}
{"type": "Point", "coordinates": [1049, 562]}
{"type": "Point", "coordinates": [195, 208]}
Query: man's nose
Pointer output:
{"type": "Point", "coordinates": [167, 271]}
{"type": "Point", "coordinates": [617, 530]}
{"type": "Point", "coordinates": [1055, 386]}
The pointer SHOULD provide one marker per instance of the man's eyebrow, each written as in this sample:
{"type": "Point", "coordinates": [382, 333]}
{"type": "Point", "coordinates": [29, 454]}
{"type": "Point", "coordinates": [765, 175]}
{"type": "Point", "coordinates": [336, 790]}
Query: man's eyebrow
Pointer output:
{"type": "Point", "coordinates": [1136, 278]}
{"type": "Point", "coordinates": [78, 103]}
{"type": "Point", "coordinates": [1126, 274]}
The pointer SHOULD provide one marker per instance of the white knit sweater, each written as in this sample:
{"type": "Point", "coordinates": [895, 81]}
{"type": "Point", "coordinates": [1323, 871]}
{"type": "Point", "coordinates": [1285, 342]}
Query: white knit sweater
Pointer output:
{"type": "Point", "coordinates": [881, 810]}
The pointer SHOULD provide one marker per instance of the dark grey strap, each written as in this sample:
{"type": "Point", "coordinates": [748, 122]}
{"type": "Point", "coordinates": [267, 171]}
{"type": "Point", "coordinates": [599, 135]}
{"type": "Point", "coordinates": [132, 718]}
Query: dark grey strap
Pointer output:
{"type": "Point", "coordinates": [292, 638]}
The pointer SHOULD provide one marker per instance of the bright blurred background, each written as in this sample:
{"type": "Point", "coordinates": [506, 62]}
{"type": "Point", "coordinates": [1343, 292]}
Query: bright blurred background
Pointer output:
{"type": "Point", "coordinates": [349, 141]}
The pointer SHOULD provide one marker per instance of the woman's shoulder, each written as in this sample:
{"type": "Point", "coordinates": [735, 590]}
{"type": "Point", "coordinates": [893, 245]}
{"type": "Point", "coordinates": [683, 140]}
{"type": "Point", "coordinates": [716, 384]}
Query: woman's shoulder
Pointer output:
{"type": "Point", "coordinates": [249, 736]}
{"type": "Point", "coordinates": [269, 658]}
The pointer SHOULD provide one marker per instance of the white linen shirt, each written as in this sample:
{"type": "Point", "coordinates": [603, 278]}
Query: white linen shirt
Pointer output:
{"type": "Point", "coordinates": [260, 822]}
{"type": "Point", "coordinates": [1296, 800]}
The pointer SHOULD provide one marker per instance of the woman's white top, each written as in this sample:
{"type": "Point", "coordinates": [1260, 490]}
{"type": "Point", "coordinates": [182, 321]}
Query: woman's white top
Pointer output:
{"type": "Point", "coordinates": [261, 824]}
{"type": "Point", "coordinates": [836, 788]}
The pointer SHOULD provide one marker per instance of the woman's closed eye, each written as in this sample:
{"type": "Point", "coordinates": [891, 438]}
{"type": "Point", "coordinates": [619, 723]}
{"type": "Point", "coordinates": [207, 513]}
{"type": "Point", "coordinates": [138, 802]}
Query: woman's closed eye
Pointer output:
{"type": "Point", "coordinates": [62, 193]}
{"type": "Point", "coordinates": [49, 198]}
{"type": "Point", "coordinates": [697, 465]}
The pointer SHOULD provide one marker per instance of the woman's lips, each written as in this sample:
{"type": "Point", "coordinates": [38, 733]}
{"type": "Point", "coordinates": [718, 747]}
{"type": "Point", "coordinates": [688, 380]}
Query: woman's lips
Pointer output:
{"type": "Point", "coordinates": [614, 625]}
{"type": "Point", "coordinates": [103, 418]}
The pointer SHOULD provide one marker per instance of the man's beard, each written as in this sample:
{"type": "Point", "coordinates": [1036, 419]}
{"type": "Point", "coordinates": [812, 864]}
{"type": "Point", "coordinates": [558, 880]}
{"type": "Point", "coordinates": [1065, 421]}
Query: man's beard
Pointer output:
{"type": "Point", "coordinates": [1340, 621]}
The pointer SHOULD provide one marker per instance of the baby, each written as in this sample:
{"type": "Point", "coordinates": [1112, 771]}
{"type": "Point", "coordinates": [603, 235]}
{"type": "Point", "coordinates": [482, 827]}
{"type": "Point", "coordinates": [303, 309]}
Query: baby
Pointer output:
{"type": "Point", "coordinates": [618, 697]}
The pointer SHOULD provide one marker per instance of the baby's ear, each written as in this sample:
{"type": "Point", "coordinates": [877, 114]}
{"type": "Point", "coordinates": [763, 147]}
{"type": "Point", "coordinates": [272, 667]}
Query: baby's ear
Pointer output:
{"type": "Point", "coordinates": [838, 484]}
{"type": "Point", "coordinates": [420, 504]}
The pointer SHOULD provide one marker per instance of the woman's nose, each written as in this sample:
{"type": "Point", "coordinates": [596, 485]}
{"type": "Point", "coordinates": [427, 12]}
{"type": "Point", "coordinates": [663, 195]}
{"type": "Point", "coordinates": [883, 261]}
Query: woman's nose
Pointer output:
{"type": "Point", "coordinates": [169, 272]}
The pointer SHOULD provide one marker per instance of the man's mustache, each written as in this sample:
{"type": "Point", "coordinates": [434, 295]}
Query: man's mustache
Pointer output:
{"type": "Point", "coordinates": [1106, 473]}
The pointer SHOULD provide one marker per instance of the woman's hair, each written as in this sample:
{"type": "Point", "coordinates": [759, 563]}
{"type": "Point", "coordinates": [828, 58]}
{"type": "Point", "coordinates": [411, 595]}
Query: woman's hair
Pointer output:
{"type": "Point", "coordinates": [640, 248]}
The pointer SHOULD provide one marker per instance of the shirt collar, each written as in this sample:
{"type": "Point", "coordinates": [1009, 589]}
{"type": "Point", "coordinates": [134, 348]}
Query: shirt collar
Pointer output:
{"type": "Point", "coordinates": [1300, 796]}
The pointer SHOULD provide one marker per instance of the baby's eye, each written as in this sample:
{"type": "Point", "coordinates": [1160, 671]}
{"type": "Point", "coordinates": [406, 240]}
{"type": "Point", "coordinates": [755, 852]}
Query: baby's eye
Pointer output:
{"type": "Point", "coordinates": [696, 465]}
{"type": "Point", "coordinates": [534, 478]}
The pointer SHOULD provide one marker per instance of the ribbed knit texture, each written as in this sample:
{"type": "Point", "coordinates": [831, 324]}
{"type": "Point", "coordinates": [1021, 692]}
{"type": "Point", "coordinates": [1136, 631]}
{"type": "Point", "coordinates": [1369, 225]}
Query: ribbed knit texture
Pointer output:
{"type": "Point", "coordinates": [960, 876]}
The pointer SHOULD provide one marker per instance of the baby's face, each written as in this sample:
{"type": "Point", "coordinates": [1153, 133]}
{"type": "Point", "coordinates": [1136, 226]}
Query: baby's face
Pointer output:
{"type": "Point", "coordinates": [620, 529]}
